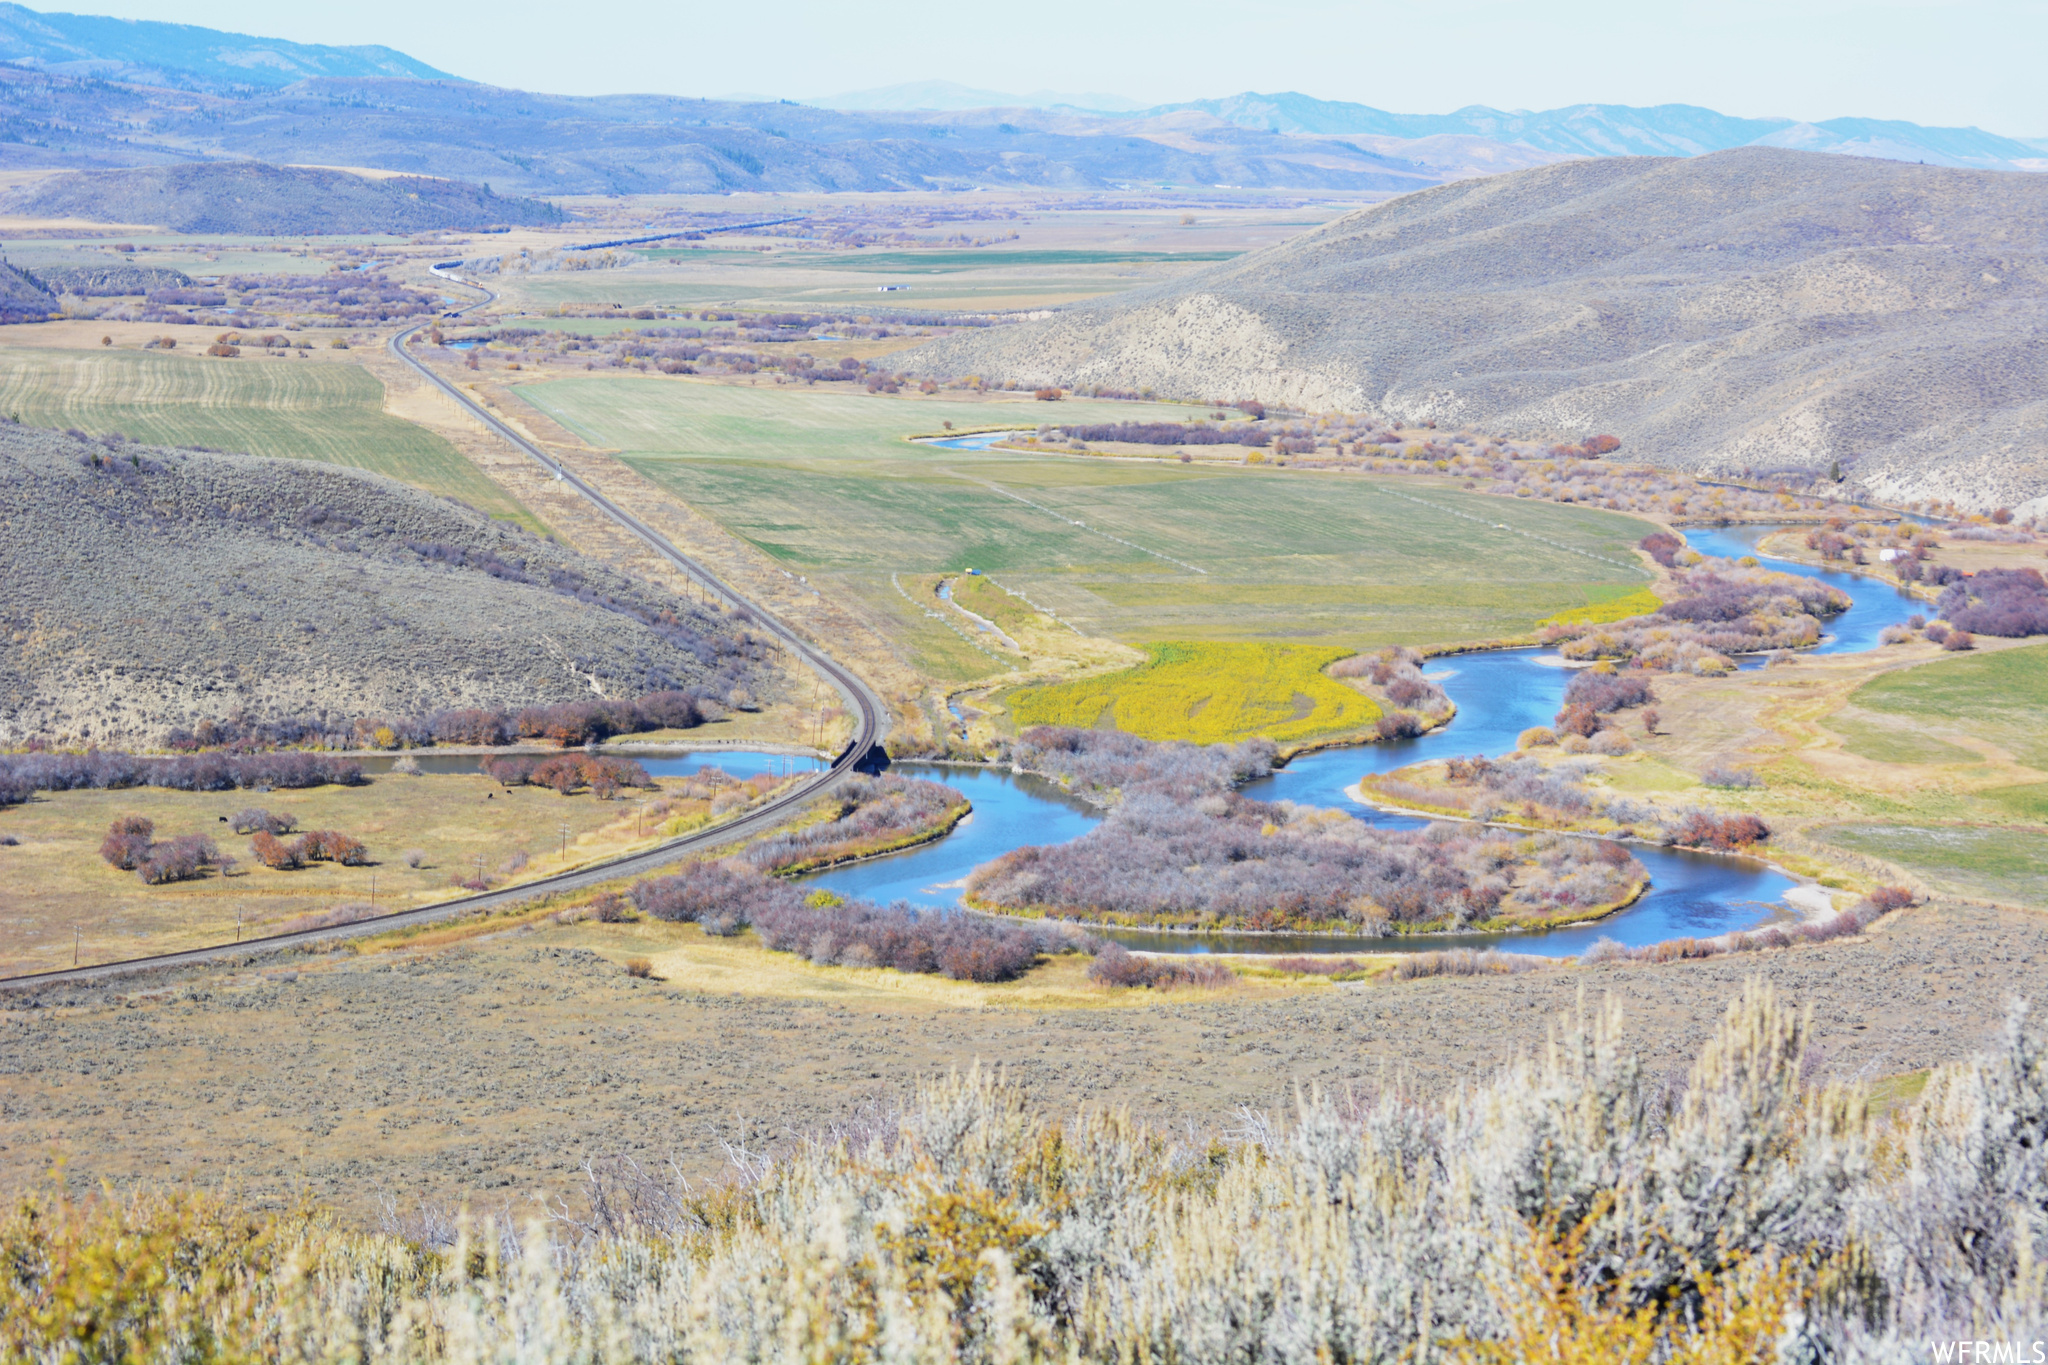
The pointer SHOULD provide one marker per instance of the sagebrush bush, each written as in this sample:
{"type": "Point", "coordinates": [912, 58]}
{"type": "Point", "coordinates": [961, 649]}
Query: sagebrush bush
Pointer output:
{"type": "Point", "coordinates": [1573, 1206]}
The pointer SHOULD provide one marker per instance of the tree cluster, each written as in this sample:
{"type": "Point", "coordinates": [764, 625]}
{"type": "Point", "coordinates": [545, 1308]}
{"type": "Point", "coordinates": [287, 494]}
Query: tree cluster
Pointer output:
{"type": "Point", "coordinates": [726, 897]}
{"type": "Point", "coordinates": [1116, 966]}
{"type": "Point", "coordinates": [2003, 602]}
{"type": "Point", "coordinates": [863, 815]}
{"type": "Point", "coordinates": [565, 773]}
{"type": "Point", "coordinates": [1225, 861]}
{"type": "Point", "coordinates": [314, 846]}
{"type": "Point", "coordinates": [131, 846]}
{"type": "Point", "coordinates": [23, 774]}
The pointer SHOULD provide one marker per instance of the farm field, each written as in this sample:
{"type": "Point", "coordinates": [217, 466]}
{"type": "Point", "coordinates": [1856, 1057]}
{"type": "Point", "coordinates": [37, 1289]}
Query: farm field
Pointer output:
{"type": "Point", "coordinates": [311, 410]}
{"type": "Point", "coordinates": [2000, 698]}
{"type": "Point", "coordinates": [2004, 862]}
{"type": "Point", "coordinates": [1140, 552]}
{"type": "Point", "coordinates": [1208, 694]}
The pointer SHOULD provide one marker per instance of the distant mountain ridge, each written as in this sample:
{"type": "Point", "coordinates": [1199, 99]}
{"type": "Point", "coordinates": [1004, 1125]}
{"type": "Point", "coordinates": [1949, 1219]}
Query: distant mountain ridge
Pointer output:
{"type": "Point", "coordinates": [154, 53]}
{"type": "Point", "coordinates": [1626, 130]}
{"type": "Point", "coordinates": [81, 91]}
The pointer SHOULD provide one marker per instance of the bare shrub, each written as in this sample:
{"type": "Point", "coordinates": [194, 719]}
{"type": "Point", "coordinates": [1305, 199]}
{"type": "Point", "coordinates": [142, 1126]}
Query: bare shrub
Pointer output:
{"type": "Point", "coordinates": [252, 819]}
{"type": "Point", "coordinates": [1115, 965]}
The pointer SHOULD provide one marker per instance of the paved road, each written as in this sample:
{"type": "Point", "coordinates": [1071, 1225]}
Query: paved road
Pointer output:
{"type": "Point", "coordinates": [860, 755]}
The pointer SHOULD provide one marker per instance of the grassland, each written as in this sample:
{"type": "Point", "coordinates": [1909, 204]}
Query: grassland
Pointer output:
{"type": "Point", "coordinates": [2001, 861]}
{"type": "Point", "coordinates": [493, 1067]}
{"type": "Point", "coordinates": [312, 410]}
{"type": "Point", "coordinates": [1208, 694]}
{"type": "Point", "coordinates": [53, 882]}
{"type": "Point", "coordinates": [1998, 697]}
{"type": "Point", "coordinates": [1136, 552]}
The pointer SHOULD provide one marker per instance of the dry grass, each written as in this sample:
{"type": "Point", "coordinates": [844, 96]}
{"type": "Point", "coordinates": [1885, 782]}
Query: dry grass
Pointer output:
{"type": "Point", "coordinates": [54, 882]}
{"type": "Point", "coordinates": [492, 1067]}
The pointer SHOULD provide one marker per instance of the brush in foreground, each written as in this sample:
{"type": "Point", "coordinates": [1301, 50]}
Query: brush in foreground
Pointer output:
{"type": "Point", "coordinates": [1573, 1207]}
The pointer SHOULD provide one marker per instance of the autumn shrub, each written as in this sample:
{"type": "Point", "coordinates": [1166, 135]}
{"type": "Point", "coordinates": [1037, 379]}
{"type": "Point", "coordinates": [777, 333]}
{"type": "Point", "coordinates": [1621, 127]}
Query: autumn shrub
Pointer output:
{"type": "Point", "coordinates": [1723, 833]}
{"type": "Point", "coordinates": [275, 853]}
{"type": "Point", "coordinates": [1115, 965]}
{"type": "Point", "coordinates": [604, 775]}
{"type": "Point", "coordinates": [331, 846]}
{"type": "Point", "coordinates": [1463, 962]}
{"type": "Point", "coordinates": [127, 841]}
{"type": "Point", "coordinates": [1957, 641]}
{"type": "Point", "coordinates": [1663, 547]}
{"type": "Point", "coordinates": [1226, 861]}
{"type": "Point", "coordinates": [864, 815]}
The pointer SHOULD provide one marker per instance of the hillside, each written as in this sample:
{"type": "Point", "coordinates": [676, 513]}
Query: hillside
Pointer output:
{"type": "Point", "coordinates": [249, 197]}
{"type": "Point", "coordinates": [24, 297]}
{"type": "Point", "coordinates": [183, 55]}
{"type": "Point", "coordinates": [1753, 308]}
{"type": "Point", "coordinates": [143, 588]}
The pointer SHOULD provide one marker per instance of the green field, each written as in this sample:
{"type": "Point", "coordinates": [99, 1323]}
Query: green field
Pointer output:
{"type": "Point", "coordinates": [1141, 552]}
{"type": "Point", "coordinates": [2002, 862]}
{"type": "Point", "coordinates": [300, 409]}
{"type": "Point", "coordinates": [2001, 697]}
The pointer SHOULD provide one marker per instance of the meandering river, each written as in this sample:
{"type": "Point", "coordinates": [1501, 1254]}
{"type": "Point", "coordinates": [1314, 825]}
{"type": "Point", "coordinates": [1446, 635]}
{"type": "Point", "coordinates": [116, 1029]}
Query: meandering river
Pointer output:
{"type": "Point", "coordinates": [1499, 694]}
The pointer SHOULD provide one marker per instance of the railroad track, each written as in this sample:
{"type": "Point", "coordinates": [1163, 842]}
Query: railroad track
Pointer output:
{"type": "Point", "coordinates": [861, 754]}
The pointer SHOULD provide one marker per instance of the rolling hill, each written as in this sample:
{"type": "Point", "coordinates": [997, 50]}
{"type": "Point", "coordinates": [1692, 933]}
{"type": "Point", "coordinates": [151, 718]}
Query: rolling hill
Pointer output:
{"type": "Point", "coordinates": [1756, 308]}
{"type": "Point", "coordinates": [250, 197]}
{"type": "Point", "coordinates": [182, 55]}
{"type": "Point", "coordinates": [143, 588]}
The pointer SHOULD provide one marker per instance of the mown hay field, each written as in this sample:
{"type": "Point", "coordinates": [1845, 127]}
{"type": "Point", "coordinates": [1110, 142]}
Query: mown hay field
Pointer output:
{"type": "Point", "coordinates": [306, 410]}
{"type": "Point", "coordinates": [1208, 694]}
{"type": "Point", "coordinates": [1139, 552]}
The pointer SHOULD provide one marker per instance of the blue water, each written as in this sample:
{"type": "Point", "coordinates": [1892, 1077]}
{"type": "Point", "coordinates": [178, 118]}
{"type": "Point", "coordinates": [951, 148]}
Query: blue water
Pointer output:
{"type": "Point", "coordinates": [1499, 694]}
{"type": "Point", "coordinates": [1876, 604]}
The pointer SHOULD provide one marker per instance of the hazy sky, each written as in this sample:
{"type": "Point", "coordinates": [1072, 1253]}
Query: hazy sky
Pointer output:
{"type": "Point", "coordinates": [1930, 61]}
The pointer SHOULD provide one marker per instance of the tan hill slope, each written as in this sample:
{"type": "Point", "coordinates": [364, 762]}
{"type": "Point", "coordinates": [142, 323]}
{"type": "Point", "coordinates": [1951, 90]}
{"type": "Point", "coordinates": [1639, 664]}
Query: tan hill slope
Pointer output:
{"type": "Point", "coordinates": [251, 197]}
{"type": "Point", "coordinates": [143, 588]}
{"type": "Point", "coordinates": [1754, 308]}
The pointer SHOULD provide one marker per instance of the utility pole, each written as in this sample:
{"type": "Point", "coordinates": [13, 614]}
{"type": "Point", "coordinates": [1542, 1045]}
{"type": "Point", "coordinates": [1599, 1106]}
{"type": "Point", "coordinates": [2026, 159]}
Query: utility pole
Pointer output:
{"type": "Point", "coordinates": [74, 945]}
{"type": "Point", "coordinates": [238, 923]}
{"type": "Point", "coordinates": [565, 842]}
{"type": "Point", "coordinates": [373, 893]}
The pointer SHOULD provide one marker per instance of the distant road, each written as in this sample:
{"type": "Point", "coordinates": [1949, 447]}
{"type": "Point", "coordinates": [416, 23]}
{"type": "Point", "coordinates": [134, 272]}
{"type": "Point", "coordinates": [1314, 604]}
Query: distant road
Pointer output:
{"type": "Point", "coordinates": [871, 721]}
{"type": "Point", "coordinates": [686, 232]}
